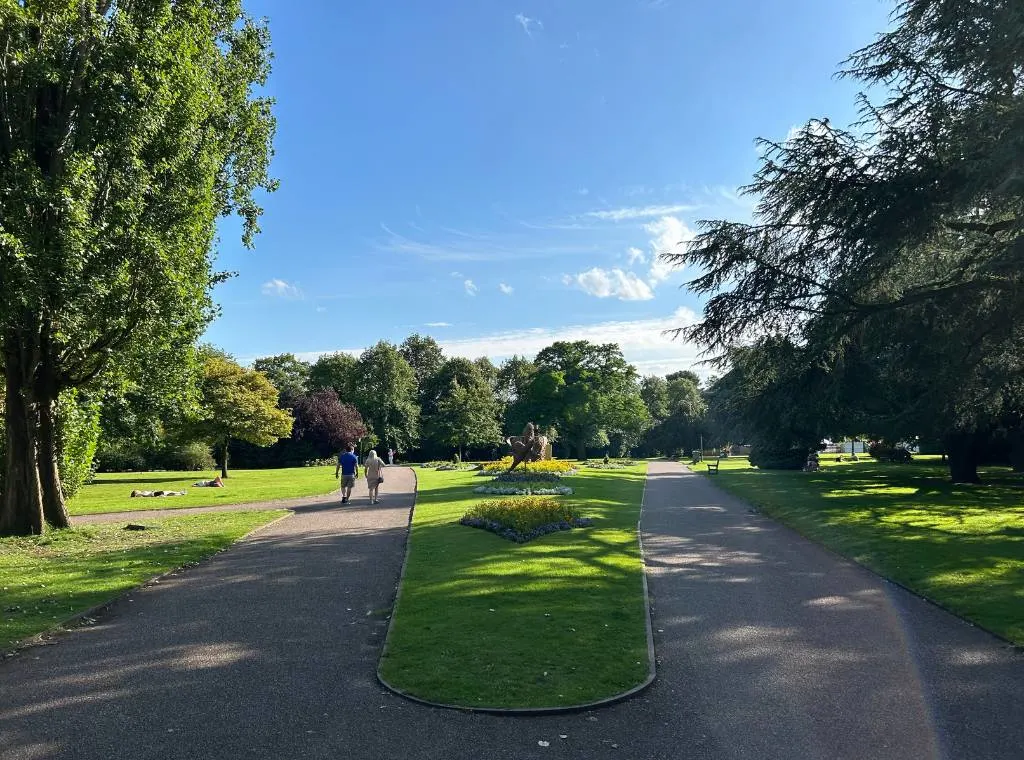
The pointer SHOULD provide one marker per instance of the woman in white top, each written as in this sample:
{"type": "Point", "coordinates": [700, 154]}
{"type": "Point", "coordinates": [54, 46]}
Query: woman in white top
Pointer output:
{"type": "Point", "coordinates": [374, 469]}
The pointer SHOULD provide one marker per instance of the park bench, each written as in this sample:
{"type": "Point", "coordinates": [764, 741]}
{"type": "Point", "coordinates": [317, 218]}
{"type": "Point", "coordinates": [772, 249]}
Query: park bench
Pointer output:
{"type": "Point", "coordinates": [713, 466]}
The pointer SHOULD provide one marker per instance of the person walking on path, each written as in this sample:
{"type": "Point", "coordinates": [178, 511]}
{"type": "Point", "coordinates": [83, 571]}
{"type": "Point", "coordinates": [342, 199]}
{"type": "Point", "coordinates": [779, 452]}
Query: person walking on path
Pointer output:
{"type": "Point", "coordinates": [348, 466]}
{"type": "Point", "coordinates": [391, 456]}
{"type": "Point", "coordinates": [374, 468]}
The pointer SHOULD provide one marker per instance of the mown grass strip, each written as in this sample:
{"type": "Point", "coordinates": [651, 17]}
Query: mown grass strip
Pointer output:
{"type": "Point", "coordinates": [961, 546]}
{"type": "Point", "coordinates": [47, 579]}
{"type": "Point", "coordinates": [554, 622]}
{"type": "Point", "coordinates": [111, 491]}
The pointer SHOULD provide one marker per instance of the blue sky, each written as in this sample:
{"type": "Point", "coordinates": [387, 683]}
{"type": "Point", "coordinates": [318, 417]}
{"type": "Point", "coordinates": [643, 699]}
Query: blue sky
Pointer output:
{"type": "Point", "coordinates": [499, 174]}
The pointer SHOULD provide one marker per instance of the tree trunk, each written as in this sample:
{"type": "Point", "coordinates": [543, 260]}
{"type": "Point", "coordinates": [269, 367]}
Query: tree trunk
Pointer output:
{"type": "Point", "coordinates": [963, 457]}
{"type": "Point", "coordinates": [581, 450]}
{"type": "Point", "coordinates": [21, 511]}
{"type": "Point", "coordinates": [224, 460]}
{"type": "Point", "coordinates": [54, 508]}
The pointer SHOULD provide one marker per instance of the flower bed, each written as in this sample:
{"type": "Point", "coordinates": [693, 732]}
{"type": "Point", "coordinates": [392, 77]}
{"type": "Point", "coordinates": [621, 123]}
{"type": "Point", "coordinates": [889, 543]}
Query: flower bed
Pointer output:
{"type": "Point", "coordinates": [524, 476]}
{"type": "Point", "coordinates": [547, 465]}
{"type": "Point", "coordinates": [525, 489]}
{"type": "Point", "coordinates": [520, 520]}
{"type": "Point", "coordinates": [597, 464]}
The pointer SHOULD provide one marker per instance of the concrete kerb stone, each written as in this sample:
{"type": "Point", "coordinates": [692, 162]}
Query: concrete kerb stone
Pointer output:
{"type": "Point", "coordinates": [533, 711]}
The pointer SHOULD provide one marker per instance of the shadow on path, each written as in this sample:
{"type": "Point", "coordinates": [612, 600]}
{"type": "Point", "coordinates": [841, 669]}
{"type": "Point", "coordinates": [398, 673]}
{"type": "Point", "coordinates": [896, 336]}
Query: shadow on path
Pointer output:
{"type": "Point", "coordinates": [768, 646]}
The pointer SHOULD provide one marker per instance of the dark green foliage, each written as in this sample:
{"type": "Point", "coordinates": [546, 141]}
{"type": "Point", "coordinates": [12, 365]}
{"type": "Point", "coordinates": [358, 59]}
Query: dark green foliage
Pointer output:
{"type": "Point", "coordinates": [289, 375]}
{"type": "Point", "coordinates": [893, 251]}
{"type": "Point", "coordinates": [774, 457]}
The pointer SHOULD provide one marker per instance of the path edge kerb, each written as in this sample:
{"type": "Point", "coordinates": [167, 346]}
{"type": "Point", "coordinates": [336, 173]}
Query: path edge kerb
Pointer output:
{"type": "Point", "coordinates": [527, 711]}
{"type": "Point", "coordinates": [766, 512]}
{"type": "Point", "coordinates": [78, 620]}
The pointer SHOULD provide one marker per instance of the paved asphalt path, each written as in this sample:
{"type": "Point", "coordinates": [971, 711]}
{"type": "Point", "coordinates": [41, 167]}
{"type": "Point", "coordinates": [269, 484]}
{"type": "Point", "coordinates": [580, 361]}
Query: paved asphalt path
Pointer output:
{"type": "Point", "coordinates": [768, 647]}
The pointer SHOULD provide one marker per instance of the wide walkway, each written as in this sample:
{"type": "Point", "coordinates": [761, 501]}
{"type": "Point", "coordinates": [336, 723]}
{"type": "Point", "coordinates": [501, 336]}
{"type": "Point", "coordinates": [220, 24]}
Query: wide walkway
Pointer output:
{"type": "Point", "coordinates": [768, 647]}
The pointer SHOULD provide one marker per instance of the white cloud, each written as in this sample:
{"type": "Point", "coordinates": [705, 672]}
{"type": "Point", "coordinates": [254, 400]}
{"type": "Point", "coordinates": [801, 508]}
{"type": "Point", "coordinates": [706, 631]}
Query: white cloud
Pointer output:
{"type": "Point", "coordinates": [639, 212]}
{"type": "Point", "coordinates": [470, 287]}
{"type": "Point", "coordinates": [644, 343]}
{"type": "Point", "coordinates": [605, 283]}
{"type": "Point", "coordinates": [527, 23]}
{"type": "Point", "coordinates": [281, 289]}
{"type": "Point", "coordinates": [669, 233]}
{"type": "Point", "coordinates": [506, 289]}
{"type": "Point", "coordinates": [457, 275]}
{"type": "Point", "coordinates": [635, 255]}
{"type": "Point", "coordinates": [321, 309]}
{"type": "Point", "coordinates": [439, 324]}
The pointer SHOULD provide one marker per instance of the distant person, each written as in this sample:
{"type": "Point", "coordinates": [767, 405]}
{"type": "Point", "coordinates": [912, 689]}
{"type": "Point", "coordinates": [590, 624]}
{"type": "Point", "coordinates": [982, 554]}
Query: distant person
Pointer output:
{"type": "Point", "coordinates": [391, 456]}
{"type": "Point", "coordinates": [348, 466]}
{"type": "Point", "coordinates": [374, 470]}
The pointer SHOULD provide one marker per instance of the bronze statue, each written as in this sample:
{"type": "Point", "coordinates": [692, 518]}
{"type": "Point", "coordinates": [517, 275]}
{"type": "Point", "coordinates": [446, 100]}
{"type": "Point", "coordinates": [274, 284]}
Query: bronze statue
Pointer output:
{"type": "Point", "coordinates": [529, 447]}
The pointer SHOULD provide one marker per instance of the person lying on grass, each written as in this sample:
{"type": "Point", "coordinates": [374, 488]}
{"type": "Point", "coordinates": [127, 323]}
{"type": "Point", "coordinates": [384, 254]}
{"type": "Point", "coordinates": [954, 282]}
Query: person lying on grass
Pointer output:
{"type": "Point", "coordinates": [215, 483]}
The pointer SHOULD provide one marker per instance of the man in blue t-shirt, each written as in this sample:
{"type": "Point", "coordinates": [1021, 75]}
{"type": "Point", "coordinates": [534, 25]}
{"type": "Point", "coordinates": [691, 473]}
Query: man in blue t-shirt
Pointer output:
{"type": "Point", "coordinates": [348, 466]}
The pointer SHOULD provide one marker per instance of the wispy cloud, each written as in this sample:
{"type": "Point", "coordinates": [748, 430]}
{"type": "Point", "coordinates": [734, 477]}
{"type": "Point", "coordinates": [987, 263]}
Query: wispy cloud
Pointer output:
{"type": "Point", "coordinates": [457, 275]}
{"type": "Point", "coordinates": [470, 287]}
{"type": "Point", "coordinates": [608, 283]}
{"type": "Point", "coordinates": [439, 324]}
{"type": "Point", "coordinates": [281, 289]}
{"type": "Point", "coordinates": [639, 212]}
{"type": "Point", "coordinates": [506, 289]}
{"type": "Point", "coordinates": [644, 343]}
{"type": "Point", "coordinates": [528, 24]}
{"type": "Point", "coordinates": [457, 249]}
{"type": "Point", "coordinates": [636, 255]}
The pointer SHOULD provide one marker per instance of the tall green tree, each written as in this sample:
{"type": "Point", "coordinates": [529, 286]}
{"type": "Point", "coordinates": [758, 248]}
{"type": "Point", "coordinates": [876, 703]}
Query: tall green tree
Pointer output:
{"type": "Point", "coordinates": [587, 392]}
{"type": "Point", "coordinates": [466, 417]}
{"type": "Point", "coordinates": [335, 372]}
{"type": "Point", "coordinates": [424, 356]}
{"type": "Point", "coordinates": [289, 375]}
{"type": "Point", "coordinates": [916, 217]}
{"type": "Point", "coordinates": [654, 392]}
{"type": "Point", "coordinates": [237, 403]}
{"type": "Point", "coordinates": [126, 130]}
{"type": "Point", "coordinates": [385, 394]}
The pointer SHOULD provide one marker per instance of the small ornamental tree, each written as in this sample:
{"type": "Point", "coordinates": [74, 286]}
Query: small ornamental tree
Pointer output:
{"type": "Point", "coordinates": [325, 422]}
{"type": "Point", "coordinates": [238, 403]}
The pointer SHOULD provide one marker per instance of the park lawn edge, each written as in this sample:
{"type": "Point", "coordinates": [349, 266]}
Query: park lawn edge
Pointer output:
{"type": "Point", "coordinates": [876, 566]}
{"type": "Point", "coordinates": [645, 683]}
{"type": "Point", "coordinates": [84, 617]}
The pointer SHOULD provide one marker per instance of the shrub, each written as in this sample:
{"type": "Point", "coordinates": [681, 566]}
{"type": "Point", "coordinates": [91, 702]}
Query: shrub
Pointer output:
{"type": "Point", "coordinates": [887, 452]}
{"type": "Point", "coordinates": [78, 434]}
{"type": "Point", "coordinates": [190, 456]}
{"type": "Point", "coordinates": [520, 520]}
{"type": "Point", "coordinates": [774, 457]}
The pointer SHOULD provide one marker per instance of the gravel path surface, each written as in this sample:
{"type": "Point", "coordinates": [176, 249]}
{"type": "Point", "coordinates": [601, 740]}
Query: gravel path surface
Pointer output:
{"type": "Point", "coordinates": [768, 647]}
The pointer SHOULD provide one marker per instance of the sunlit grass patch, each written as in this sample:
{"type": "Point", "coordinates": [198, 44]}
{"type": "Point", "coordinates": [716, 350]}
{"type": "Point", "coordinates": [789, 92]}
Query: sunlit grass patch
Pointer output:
{"type": "Point", "coordinates": [556, 621]}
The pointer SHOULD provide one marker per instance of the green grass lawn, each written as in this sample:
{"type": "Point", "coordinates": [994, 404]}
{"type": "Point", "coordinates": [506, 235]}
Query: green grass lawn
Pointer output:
{"type": "Point", "coordinates": [110, 492]}
{"type": "Point", "coordinates": [961, 546]}
{"type": "Point", "coordinates": [47, 579]}
{"type": "Point", "coordinates": [557, 621]}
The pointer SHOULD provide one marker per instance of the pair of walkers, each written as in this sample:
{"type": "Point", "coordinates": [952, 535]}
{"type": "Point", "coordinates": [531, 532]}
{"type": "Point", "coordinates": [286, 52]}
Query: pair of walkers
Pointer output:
{"type": "Point", "coordinates": [348, 467]}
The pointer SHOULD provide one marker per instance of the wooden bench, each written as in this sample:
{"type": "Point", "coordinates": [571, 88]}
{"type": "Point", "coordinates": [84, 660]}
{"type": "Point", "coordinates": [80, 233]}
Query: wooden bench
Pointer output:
{"type": "Point", "coordinates": [713, 466]}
